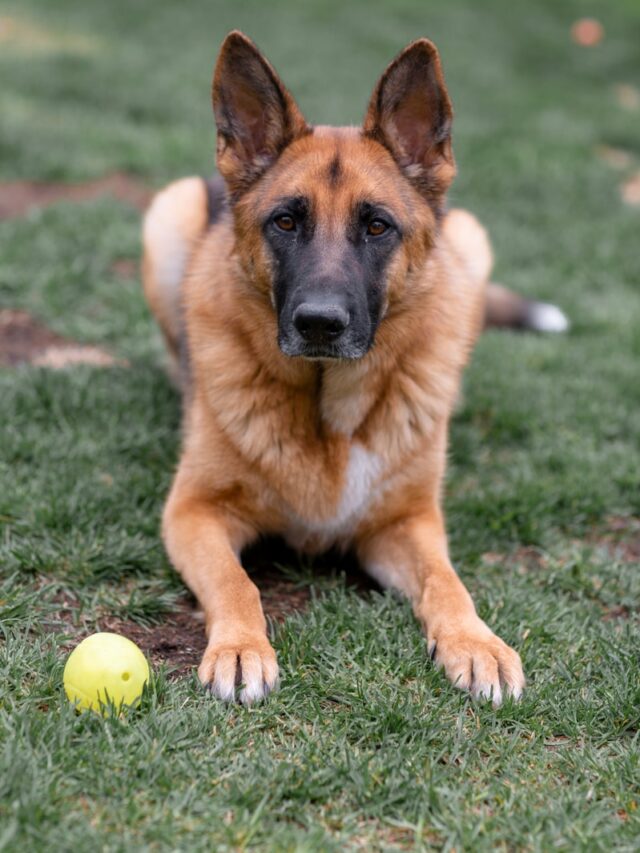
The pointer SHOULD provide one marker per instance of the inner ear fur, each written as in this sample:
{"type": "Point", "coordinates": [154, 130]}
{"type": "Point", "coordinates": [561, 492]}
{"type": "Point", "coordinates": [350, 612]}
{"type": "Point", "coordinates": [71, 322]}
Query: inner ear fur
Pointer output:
{"type": "Point", "coordinates": [410, 113]}
{"type": "Point", "coordinates": [256, 116]}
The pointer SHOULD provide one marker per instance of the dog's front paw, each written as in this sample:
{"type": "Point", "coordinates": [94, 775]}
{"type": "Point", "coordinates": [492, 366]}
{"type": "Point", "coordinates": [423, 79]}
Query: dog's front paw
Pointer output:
{"type": "Point", "coordinates": [246, 662]}
{"type": "Point", "coordinates": [475, 659]}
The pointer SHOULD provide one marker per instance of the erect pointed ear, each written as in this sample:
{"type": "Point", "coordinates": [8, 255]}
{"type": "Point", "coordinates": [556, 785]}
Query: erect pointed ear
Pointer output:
{"type": "Point", "coordinates": [410, 114]}
{"type": "Point", "coordinates": [255, 114]}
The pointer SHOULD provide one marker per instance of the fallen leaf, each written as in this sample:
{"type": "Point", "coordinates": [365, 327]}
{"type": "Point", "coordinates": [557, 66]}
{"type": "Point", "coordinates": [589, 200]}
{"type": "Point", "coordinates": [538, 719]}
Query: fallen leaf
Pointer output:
{"type": "Point", "coordinates": [587, 32]}
{"type": "Point", "coordinates": [628, 96]}
{"type": "Point", "coordinates": [630, 190]}
{"type": "Point", "coordinates": [616, 157]}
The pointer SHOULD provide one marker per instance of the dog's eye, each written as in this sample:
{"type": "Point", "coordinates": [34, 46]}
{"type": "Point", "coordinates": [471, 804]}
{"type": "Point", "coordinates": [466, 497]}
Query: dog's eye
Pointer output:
{"type": "Point", "coordinates": [285, 222]}
{"type": "Point", "coordinates": [376, 228]}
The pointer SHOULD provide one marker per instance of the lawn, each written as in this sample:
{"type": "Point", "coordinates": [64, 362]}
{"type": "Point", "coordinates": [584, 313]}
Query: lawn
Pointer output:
{"type": "Point", "coordinates": [365, 746]}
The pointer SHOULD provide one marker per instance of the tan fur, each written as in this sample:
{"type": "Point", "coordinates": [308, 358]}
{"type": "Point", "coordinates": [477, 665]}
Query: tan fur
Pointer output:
{"type": "Point", "coordinates": [350, 453]}
{"type": "Point", "coordinates": [173, 223]}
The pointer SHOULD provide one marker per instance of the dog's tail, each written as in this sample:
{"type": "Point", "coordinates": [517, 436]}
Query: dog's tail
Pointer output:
{"type": "Point", "coordinates": [502, 307]}
{"type": "Point", "coordinates": [507, 309]}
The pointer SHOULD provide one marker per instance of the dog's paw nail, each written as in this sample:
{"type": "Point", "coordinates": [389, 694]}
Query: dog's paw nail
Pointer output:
{"type": "Point", "coordinates": [514, 691]}
{"type": "Point", "coordinates": [481, 663]}
{"type": "Point", "coordinates": [488, 692]}
{"type": "Point", "coordinates": [243, 674]}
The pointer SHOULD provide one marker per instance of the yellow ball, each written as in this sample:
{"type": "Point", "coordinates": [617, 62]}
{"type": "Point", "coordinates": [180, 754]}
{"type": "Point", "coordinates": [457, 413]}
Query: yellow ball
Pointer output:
{"type": "Point", "coordinates": [105, 668]}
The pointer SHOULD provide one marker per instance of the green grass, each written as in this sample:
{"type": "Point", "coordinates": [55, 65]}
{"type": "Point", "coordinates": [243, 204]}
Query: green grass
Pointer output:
{"type": "Point", "coordinates": [365, 746]}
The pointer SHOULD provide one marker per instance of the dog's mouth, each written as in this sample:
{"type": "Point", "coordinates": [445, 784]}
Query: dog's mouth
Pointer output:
{"type": "Point", "coordinates": [335, 351]}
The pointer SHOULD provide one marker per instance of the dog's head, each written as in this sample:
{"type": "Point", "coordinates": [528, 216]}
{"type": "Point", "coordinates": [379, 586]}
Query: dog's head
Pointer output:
{"type": "Point", "coordinates": [330, 221]}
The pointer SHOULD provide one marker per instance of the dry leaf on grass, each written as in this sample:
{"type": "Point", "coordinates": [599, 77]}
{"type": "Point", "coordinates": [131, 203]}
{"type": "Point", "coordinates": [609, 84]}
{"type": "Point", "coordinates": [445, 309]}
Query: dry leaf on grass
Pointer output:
{"type": "Point", "coordinates": [616, 157]}
{"type": "Point", "coordinates": [587, 32]}
{"type": "Point", "coordinates": [628, 96]}
{"type": "Point", "coordinates": [630, 190]}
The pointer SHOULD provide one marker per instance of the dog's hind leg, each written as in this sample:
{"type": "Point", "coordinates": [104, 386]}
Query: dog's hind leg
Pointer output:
{"type": "Point", "coordinates": [174, 222]}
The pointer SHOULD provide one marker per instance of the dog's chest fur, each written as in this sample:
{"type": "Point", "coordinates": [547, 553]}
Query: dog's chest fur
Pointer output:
{"type": "Point", "coordinates": [321, 456]}
{"type": "Point", "coordinates": [338, 495]}
{"type": "Point", "coordinates": [361, 487]}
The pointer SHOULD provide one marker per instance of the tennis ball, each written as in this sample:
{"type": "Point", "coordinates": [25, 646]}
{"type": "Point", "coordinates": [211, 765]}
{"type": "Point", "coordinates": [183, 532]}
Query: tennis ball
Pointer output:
{"type": "Point", "coordinates": [105, 668]}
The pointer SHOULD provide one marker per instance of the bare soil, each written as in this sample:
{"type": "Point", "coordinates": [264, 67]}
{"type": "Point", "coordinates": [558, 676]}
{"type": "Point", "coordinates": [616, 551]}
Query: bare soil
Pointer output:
{"type": "Point", "coordinates": [19, 197]}
{"type": "Point", "coordinates": [178, 641]}
{"type": "Point", "coordinates": [24, 340]}
{"type": "Point", "coordinates": [620, 537]}
{"type": "Point", "coordinates": [125, 268]}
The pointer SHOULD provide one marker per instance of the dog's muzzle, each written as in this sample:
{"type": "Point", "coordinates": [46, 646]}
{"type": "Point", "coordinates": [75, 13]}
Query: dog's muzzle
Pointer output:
{"type": "Point", "coordinates": [324, 323]}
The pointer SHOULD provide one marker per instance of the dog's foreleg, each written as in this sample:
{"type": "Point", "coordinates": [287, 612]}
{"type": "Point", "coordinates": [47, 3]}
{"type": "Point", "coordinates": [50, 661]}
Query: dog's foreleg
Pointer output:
{"type": "Point", "coordinates": [203, 543]}
{"type": "Point", "coordinates": [412, 556]}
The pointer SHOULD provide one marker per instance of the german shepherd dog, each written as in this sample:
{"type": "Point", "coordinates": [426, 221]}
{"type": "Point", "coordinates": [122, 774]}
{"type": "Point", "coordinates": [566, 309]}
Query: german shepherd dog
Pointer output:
{"type": "Point", "coordinates": [319, 304]}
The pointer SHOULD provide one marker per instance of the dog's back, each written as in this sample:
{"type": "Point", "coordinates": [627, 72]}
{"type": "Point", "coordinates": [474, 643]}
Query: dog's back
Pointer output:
{"type": "Point", "coordinates": [176, 220]}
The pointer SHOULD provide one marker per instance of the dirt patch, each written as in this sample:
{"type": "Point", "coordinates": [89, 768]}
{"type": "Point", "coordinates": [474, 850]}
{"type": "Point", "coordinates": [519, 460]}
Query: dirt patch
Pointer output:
{"type": "Point", "coordinates": [19, 197]}
{"type": "Point", "coordinates": [620, 537]}
{"type": "Point", "coordinates": [125, 268]}
{"type": "Point", "coordinates": [24, 340]}
{"type": "Point", "coordinates": [179, 640]}
{"type": "Point", "coordinates": [522, 560]}
{"type": "Point", "coordinates": [611, 614]}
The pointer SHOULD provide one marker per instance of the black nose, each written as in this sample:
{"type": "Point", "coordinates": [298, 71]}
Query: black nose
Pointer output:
{"type": "Point", "coordinates": [318, 323]}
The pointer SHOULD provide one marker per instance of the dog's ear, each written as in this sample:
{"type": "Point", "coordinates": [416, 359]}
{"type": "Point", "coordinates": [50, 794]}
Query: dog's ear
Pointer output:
{"type": "Point", "coordinates": [410, 114]}
{"type": "Point", "coordinates": [255, 114]}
